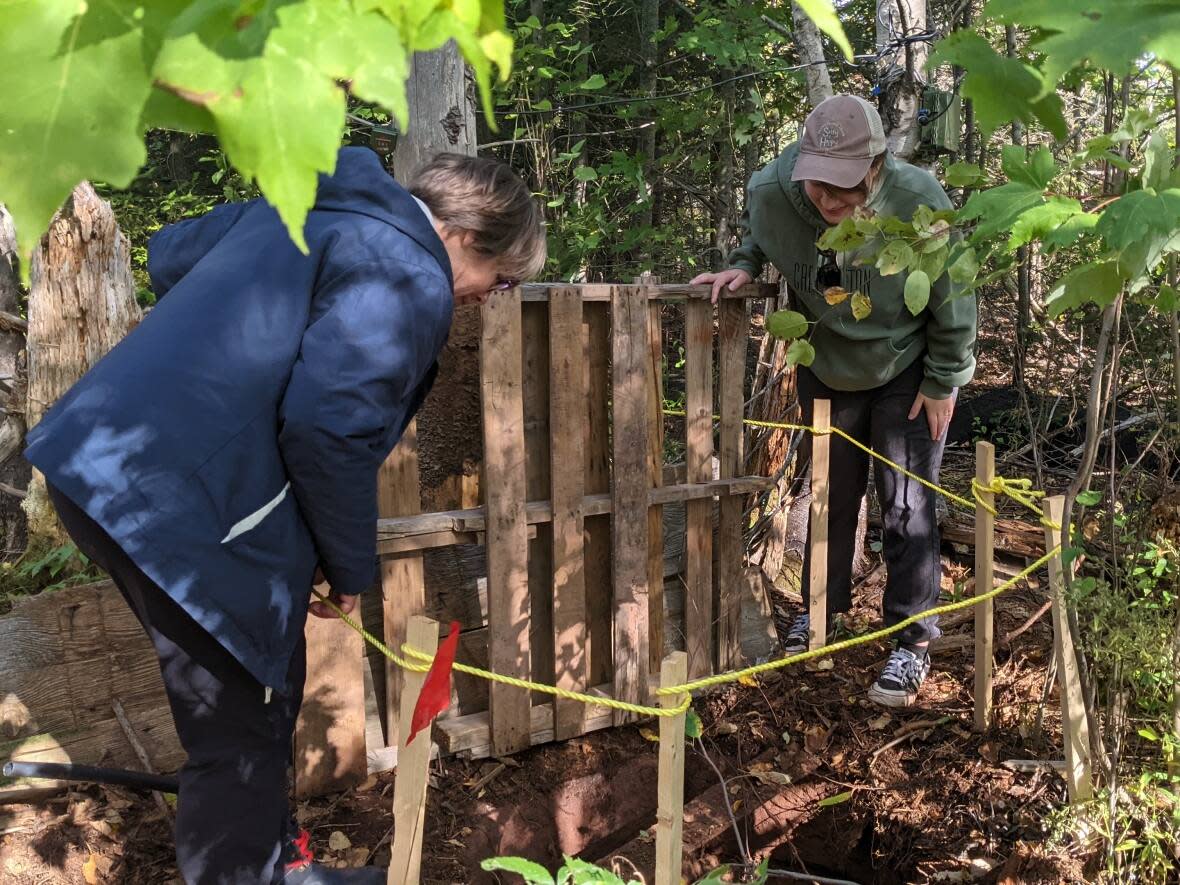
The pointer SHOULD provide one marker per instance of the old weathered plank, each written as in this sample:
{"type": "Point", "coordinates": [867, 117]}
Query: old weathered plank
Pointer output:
{"type": "Point", "coordinates": [733, 337]}
{"type": "Point", "coordinates": [698, 610]}
{"type": "Point", "coordinates": [596, 323]}
{"type": "Point", "coordinates": [567, 430]}
{"type": "Point", "coordinates": [655, 466]}
{"type": "Point", "coordinates": [507, 528]}
{"type": "Point", "coordinates": [330, 732]}
{"type": "Point", "coordinates": [403, 585]}
{"type": "Point", "coordinates": [535, 394]}
{"type": "Point", "coordinates": [598, 292]}
{"type": "Point", "coordinates": [630, 343]}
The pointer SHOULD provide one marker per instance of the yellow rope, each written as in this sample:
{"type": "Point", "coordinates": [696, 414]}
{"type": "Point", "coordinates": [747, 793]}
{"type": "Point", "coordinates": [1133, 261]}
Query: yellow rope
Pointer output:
{"type": "Point", "coordinates": [1019, 490]}
{"type": "Point", "coordinates": [425, 659]}
{"type": "Point", "coordinates": [735, 675]}
{"type": "Point", "coordinates": [686, 688]}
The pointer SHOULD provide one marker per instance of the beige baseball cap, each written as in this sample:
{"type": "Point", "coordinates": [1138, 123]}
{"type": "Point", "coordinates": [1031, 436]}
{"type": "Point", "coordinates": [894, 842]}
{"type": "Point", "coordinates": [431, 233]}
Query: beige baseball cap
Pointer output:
{"type": "Point", "coordinates": [840, 138]}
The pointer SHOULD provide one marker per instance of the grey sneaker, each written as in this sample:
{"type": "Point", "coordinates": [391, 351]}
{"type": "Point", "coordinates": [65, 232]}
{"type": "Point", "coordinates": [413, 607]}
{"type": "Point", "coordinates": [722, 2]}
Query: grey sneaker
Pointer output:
{"type": "Point", "coordinates": [798, 635]}
{"type": "Point", "coordinates": [899, 682]}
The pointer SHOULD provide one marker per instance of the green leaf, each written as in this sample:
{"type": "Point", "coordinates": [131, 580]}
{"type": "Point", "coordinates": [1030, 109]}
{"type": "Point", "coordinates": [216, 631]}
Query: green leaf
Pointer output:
{"type": "Point", "coordinates": [74, 80]}
{"type": "Point", "coordinates": [842, 237]}
{"type": "Point", "coordinates": [586, 173]}
{"type": "Point", "coordinates": [999, 208]}
{"type": "Point", "coordinates": [895, 257]}
{"type": "Point", "coordinates": [1140, 215]}
{"type": "Point", "coordinates": [1111, 34]}
{"type": "Point", "coordinates": [1148, 733]}
{"type": "Point", "coordinates": [824, 15]}
{"type": "Point", "coordinates": [1002, 89]}
{"type": "Point", "coordinates": [800, 353]}
{"type": "Point", "coordinates": [862, 306]}
{"type": "Point", "coordinates": [1036, 170]}
{"type": "Point", "coordinates": [1069, 231]}
{"type": "Point", "coordinates": [281, 128]}
{"type": "Point", "coordinates": [1098, 282]}
{"type": "Point", "coordinates": [1157, 162]}
{"type": "Point", "coordinates": [917, 292]}
{"type": "Point", "coordinates": [922, 218]}
{"type": "Point", "coordinates": [715, 876]}
{"type": "Point", "coordinates": [1089, 498]}
{"type": "Point", "coordinates": [1041, 220]}
{"type": "Point", "coordinates": [964, 268]}
{"type": "Point", "coordinates": [1168, 300]}
{"type": "Point", "coordinates": [579, 872]}
{"type": "Point", "coordinates": [933, 263]}
{"type": "Point", "coordinates": [835, 800]}
{"type": "Point", "coordinates": [597, 81]}
{"type": "Point", "coordinates": [692, 725]}
{"type": "Point", "coordinates": [963, 175]}
{"type": "Point", "coordinates": [786, 324]}
{"type": "Point", "coordinates": [532, 873]}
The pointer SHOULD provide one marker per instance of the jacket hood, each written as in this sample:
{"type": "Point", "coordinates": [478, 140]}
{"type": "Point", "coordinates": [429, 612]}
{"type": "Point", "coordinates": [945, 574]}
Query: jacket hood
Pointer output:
{"type": "Point", "coordinates": [361, 184]}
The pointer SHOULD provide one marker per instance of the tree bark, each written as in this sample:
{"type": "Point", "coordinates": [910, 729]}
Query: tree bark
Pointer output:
{"type": "Point", "coordinates": [1174, 280]}
{"type": "Point", "coordinates": [648, 25]}
{"type": "Point", "coordinates": [811, 53]}
{"type": "Point", "coordinates": [81, 304]}
{"type": "Point", "coordinates": [901, 72]}
{"type": "Point", "coordinates": [14, 471]}
{"type": "Point", "coordinates": [442, 120]}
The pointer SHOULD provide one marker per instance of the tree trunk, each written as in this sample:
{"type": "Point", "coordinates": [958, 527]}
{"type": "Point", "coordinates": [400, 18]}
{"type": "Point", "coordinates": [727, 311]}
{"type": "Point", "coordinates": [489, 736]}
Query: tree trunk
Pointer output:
{"type": "Point", "coordinates": [14, 471]}
{"type": "Point", "coordinates": [81, 304]}
{"type": "Point", "coordinates": [649, 24]}
{"type": "Point", "coordinates": [1174, 280]}
{"type": "Point", "coordinates": [901, 72]}
{"type": "Point", "coordinates": [449, 444]}
{"type": "Point", "coordinates": [811, 53]}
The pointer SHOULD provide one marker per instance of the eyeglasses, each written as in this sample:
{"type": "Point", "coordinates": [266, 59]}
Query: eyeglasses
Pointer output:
{"type": "Point", "coordinates": [504, 285]}
{"type": "Point", "coordinates": [829, 273]}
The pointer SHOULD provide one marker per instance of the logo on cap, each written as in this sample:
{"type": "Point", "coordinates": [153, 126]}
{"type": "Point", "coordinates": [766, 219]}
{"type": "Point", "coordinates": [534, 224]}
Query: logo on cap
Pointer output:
{"type": "Point", "coordinates": [830, 135]}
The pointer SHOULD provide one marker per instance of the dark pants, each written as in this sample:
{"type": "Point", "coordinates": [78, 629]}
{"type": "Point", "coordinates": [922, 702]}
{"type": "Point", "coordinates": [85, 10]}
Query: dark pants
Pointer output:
{"type": "Point", "coordinates": [232, 814]}
{"type": "Point", "coordinates": [879, 419]}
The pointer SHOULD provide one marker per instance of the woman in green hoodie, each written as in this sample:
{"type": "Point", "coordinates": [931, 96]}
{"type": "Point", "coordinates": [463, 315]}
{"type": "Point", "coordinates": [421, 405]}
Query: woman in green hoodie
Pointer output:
{"type": "Point", "coordinates": [891, 377]}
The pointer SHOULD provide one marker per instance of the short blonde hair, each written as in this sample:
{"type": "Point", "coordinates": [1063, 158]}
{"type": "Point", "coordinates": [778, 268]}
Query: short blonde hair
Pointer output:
{"type": "Point", "coordinates": [484, 196]}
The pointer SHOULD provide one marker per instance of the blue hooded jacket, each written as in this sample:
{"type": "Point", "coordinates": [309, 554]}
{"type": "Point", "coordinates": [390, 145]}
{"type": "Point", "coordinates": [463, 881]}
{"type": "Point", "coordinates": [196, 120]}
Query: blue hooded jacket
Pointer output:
{"type": "Point", "coordinates": [231, 442]}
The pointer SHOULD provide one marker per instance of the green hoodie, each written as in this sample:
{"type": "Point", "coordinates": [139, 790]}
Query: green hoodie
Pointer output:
{"type": "Point", "coordinates": [781, 225]}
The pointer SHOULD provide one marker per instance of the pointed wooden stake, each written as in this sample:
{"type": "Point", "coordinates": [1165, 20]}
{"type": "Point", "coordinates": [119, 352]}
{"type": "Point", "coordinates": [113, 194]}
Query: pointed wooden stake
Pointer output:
{"type": "Point", "coordinates": [985, 538]}
{"type": "Point", "coordinates": [413, 764]}
{"type": "Point", "coordinates": [818, 577]}
{"type": "Point", "coordinates": [670, 811]}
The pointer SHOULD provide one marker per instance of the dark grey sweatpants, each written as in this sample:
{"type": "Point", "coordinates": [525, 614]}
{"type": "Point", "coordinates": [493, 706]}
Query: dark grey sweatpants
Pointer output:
{"type": "Point", "coordinates": [232, 814]}
{"type": "Point", "coordinates": [879, 419]}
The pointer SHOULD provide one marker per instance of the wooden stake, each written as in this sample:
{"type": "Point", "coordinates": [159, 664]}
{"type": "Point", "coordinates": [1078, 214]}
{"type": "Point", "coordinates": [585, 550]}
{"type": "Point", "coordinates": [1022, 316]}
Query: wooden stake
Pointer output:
{"type": "Point", "coordinates": [1074, 727]}
{"type": "Point", "coordinates": [985, 540]}
{"type": "Point", "coordinates": [567, 404]}
{"type": "Point", "coordinates": [820, 459]}
{"type": "Point", "coordinates": [413, 768]}
{"type": "Point", "coordinates": [509, 607]}
{"type": "Point", "coordinates": [330, 732]}
{"type": "Point", "coordinates": [698, 515]}
{"type": "Point", "coordinates": [670, 810]}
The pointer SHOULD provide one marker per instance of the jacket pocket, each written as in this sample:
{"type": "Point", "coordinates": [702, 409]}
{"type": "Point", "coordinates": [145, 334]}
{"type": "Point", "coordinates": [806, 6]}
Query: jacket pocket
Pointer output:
{"type": "Point", "coordinates": [252, 521]}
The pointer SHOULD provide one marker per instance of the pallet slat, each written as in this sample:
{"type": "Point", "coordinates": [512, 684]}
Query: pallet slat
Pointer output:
{"type": "Point", "coordinates": [698, 603]}
{"type": "Point", "coordinates": [507, 528]}
{"type": "Point", "coordinates": [732, 341]}
{"type": "Point", "coordinates": [567, 395]}
{"type": "Point", "coordinates": [629, 494]}
{"type": "Point", "coordinates": [596, 324]}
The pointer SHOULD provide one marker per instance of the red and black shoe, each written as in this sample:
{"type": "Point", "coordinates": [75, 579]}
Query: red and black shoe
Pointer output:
{"type": "Point", "coordinates": [299, 868]}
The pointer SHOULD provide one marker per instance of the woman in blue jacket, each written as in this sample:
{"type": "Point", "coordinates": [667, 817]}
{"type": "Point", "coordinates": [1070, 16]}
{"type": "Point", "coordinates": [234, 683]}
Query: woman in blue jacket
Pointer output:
{"type": "Point", "coordinates": [230, 444]}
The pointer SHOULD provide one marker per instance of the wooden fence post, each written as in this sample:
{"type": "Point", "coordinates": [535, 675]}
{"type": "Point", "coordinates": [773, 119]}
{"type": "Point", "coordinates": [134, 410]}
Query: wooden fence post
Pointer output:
{"type": "Point", "coordinates": [733, 339]}
{"type": "Point", "coordinates": [413, 764]}
{"type": "Point", "coordinates": [821, 442]}
{"type": "Point", "coordinates": [670, 810]}
{"type": "Point", "coordinates": [1075, 729]}
{"type": "Point", "coordinates": [985, 538]}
